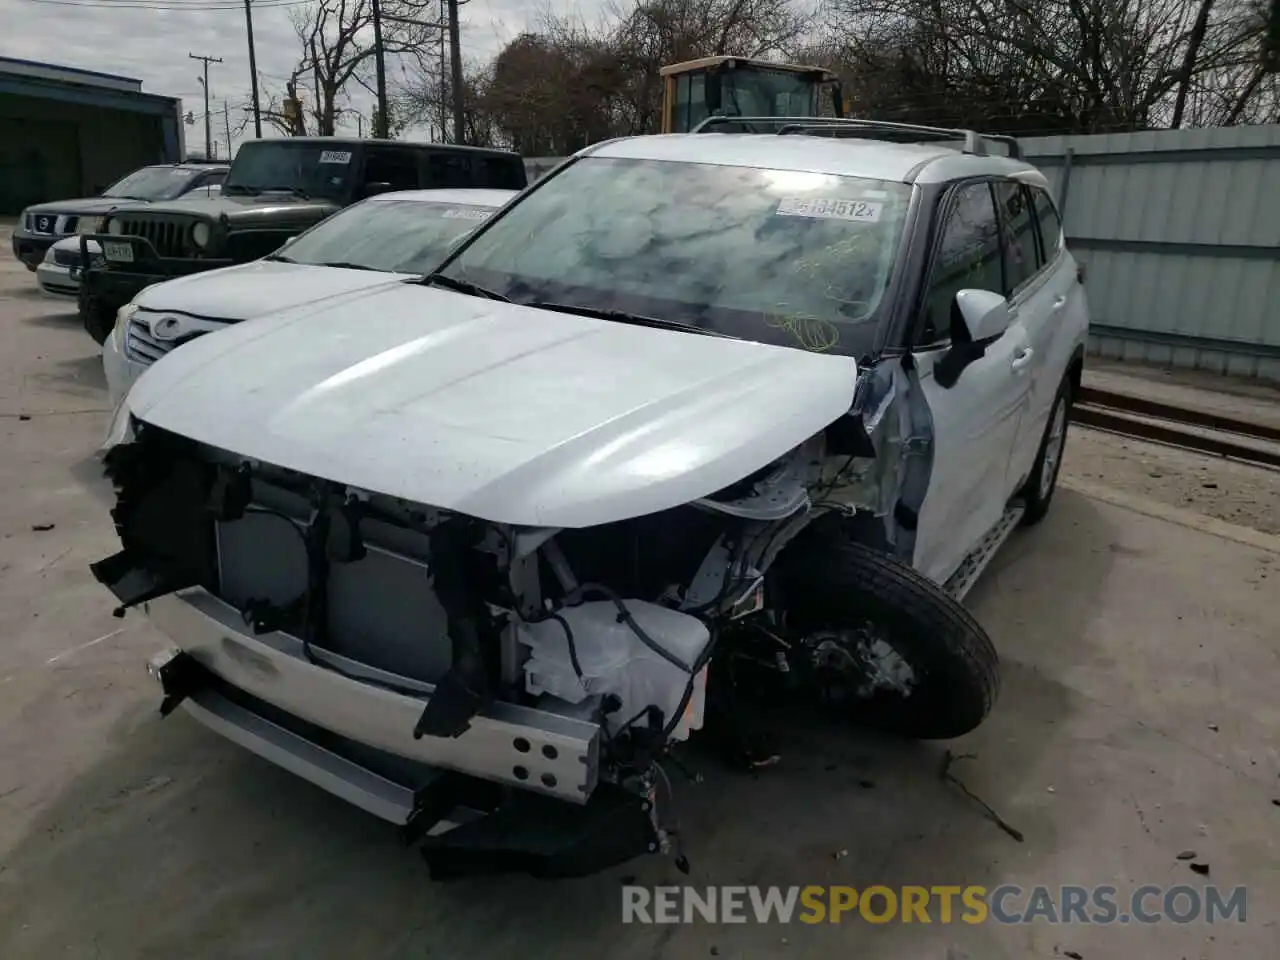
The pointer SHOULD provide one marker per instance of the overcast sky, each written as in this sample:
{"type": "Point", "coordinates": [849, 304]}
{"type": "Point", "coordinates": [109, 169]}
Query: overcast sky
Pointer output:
{"type": "Point", "coordinates": [152, 44]}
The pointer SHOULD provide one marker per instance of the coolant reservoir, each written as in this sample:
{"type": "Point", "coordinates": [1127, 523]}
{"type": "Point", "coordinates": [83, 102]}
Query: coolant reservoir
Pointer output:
{"type": "Point", "coordinates": [616, 661]}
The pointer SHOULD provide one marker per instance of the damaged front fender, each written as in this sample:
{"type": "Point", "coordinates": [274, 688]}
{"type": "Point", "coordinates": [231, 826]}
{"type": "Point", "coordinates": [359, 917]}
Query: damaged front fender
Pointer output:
{"type": "Point", "coordinates": [162, 521]}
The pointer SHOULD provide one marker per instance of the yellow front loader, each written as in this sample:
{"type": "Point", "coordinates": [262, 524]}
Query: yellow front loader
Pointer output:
{"type": "Point", "coordinates": [695, 90]}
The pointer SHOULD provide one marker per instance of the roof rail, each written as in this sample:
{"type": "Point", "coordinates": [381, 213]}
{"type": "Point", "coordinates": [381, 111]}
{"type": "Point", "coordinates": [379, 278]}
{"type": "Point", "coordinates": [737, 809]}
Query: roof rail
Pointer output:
{"type": "Point", "coordinates": [974, 142]}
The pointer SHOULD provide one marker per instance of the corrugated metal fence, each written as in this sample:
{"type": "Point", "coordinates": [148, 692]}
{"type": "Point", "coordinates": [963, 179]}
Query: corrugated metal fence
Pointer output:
{"type": "Point", "coordinates": [1179, 232]}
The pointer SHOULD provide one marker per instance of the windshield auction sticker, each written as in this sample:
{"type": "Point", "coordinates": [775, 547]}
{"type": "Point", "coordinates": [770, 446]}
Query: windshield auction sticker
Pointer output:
{"type": "Point", "coordinates": [466, 213]}
{"type": "Point", "coordinates": [827, 208]}
{"type": "Point", "coordinates": [335, 156]}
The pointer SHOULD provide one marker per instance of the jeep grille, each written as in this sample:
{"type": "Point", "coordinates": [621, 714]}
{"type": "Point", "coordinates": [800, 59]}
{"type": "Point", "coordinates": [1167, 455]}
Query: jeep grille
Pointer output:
{"type": "Point", "coordinates": [169, 237]}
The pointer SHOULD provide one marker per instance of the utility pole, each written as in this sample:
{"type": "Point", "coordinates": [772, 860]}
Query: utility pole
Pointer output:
{"type": "Point", "coordinates": [226, 121]}
{"type": "Point", "coordinates": [204, 82]}
{"type": "Point", "coordinates": [455, 56]}
{"type": "Point", "coordinates": [253, 71]}
{"type": "Point", "coordinates": [380, 127]}
{"type": "Point", "coordinates": [444, 112]}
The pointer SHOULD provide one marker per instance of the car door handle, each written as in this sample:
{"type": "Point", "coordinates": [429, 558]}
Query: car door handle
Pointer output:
{"type": "Point", "coordinates": [1059, 303]}
{"type": "Point", "coordinates": [1022, 359]}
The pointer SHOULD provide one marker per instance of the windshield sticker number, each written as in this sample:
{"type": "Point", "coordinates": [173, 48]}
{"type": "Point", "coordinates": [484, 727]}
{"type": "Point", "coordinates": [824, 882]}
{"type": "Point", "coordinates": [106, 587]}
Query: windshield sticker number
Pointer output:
{"type": "Point", "coordinates": [465, 213]}
{"type": "Point", "coordinates": [335, 156]}
{"type": "Point", "coordinates": [825, 208]}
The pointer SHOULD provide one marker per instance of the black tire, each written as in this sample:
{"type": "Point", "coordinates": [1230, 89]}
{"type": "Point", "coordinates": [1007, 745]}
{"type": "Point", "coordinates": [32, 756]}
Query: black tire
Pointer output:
{"type": "Point", "coordinates": [97, 320]}
{"type": "Point", "coordinates": [829, 581]}
{"type": "Point", "coordinates": [1037, 492]}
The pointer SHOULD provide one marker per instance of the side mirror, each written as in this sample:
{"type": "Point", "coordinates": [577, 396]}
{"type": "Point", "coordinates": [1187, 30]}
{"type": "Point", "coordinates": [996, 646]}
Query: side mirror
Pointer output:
{"type": "Point", "coordinates": [986, 314]}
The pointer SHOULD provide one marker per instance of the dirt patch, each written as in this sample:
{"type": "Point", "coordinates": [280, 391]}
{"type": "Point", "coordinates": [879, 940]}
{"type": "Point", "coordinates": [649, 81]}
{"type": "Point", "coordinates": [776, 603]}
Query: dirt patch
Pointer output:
{"type": "Point", "coordinates": [1223, 489]}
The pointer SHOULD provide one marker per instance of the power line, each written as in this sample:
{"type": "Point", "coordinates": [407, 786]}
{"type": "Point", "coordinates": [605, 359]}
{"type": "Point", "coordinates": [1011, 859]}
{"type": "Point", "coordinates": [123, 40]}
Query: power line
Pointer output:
{"type": "Point", "coordinates": [195, 6]}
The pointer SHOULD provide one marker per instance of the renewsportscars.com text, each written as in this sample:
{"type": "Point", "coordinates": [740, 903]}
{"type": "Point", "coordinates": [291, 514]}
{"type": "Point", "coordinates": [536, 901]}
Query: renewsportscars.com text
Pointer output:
{"type": "Point", "coordinates": [1008, 904]}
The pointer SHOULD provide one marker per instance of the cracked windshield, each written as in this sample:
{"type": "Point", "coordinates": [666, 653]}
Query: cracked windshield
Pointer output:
{"type": "Point", "coordinates": [400, 236]}
{"type": "Point", "coordinates": [306, 170]}
{"type": "Point", "coordinates": [777, 256]}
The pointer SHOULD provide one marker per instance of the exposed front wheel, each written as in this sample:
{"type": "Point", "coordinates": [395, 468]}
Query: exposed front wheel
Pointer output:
{"type": "Point", "coordinates": [881, 643]}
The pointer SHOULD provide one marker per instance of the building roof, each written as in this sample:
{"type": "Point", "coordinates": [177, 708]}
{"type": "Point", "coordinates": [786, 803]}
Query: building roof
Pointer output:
{"type": "Point", "coordinates": [369, 141]}
{"type": "Point", "coordinates": [53, 71]}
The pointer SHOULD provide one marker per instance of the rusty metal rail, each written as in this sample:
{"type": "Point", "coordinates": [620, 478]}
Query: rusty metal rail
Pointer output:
{"type": "Point", "coordinates": [1167, 411]}
{"type": "Point", "coordinates": [1121, 413]}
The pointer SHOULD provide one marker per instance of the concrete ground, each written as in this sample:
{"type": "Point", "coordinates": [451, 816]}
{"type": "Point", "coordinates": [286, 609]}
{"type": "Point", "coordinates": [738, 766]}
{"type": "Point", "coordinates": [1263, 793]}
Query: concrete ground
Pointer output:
{"type": "Point", "coordinates": [1138, 719]}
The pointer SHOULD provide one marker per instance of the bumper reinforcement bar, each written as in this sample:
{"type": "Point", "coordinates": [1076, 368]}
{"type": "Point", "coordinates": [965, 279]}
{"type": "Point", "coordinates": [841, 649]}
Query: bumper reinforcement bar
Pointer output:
{"type": "Point", "coordinates": [535, 750]}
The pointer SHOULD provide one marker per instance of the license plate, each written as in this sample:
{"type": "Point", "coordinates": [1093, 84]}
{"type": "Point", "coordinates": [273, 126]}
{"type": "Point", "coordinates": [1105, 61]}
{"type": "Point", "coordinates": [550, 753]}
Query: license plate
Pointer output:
{"type": "Point", "coordinates": [117, 250]}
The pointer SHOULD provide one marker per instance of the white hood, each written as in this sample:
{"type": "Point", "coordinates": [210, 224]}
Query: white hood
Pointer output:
{"type": "Point", "coordinates": [253, 289]}
{"type": "Point", "coordinates": [498, 411]}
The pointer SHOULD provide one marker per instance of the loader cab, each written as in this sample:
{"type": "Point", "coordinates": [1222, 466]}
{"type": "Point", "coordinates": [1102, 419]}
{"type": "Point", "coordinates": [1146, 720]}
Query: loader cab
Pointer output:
{"type": "Point", "coordinates": [743, 87]}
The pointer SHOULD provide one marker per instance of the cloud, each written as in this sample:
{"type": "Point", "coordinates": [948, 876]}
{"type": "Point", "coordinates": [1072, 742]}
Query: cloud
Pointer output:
{"type": "Point", "coordinates": [153, 45]}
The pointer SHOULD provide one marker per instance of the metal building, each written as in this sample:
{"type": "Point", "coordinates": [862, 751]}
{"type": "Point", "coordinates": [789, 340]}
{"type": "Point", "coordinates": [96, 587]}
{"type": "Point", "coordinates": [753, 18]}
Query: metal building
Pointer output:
{"type": "Point", "coordinates": [66, 132]}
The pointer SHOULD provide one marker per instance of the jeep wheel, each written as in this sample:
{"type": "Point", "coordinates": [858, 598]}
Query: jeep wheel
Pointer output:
{"type": "Point", "coordinates": [1039, 488]}
{"type": "Point", "coordinates": [97, 320]}
{"type": "Point", "coordinates": [881, 643]}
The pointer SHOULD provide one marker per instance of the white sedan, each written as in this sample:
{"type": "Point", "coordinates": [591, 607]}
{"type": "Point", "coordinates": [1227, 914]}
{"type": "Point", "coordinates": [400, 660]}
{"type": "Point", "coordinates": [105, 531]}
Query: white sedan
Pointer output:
{"type": "Point", "coordinates": [59, 272]}
{"type": "Point", "coordinates": [382, 240]}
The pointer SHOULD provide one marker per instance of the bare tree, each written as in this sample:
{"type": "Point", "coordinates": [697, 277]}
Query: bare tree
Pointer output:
{"type": "Point", "coordinates": [338, 49]}
{"type": "Point", "coordinates": [1055, 65]}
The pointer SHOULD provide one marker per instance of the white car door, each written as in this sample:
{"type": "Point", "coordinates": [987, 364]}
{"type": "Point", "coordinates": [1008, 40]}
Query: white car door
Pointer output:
{"type": "Point", "coordinates": [976, 416]}
{"type": "Point", "coordinates": [1037, 296]}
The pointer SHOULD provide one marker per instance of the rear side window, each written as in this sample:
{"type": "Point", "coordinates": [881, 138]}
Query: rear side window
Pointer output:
{"type": "Point", "coordinates": [447, 170]}
{"type": "Point", "coordinates": [395, 167]}
{"type": "Point", "coordinates": [1050, 224]}
{"type": "Point", "coordinates": [1018, 235]}
{"type": "Point", "coordinates": [500, 173]}
{"type": "Point", "coordinates": [968, 257]}
{"type": "Point", "coordinates": [463, 170]}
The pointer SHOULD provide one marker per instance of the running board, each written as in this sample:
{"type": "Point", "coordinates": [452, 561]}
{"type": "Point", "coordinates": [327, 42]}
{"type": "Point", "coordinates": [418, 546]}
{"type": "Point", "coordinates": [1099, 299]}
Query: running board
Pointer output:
{"type": "Point", "coordinates": [971, 567]}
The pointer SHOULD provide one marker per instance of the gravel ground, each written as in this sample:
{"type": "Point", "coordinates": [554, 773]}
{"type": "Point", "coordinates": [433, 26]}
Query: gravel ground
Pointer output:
{"type": "Point", "coordinates": [1229, 491]}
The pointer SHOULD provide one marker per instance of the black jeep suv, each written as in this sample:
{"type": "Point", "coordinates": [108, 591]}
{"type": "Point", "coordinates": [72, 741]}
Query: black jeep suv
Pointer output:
{"type": "Point", "coordinates": [274, 190]}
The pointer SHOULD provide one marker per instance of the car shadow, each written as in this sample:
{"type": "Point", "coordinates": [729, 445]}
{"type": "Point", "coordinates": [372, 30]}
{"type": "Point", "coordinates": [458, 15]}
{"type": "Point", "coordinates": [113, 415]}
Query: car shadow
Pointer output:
{"type": "Point", "coordinates": [32, 292]}
{"type": "Point", "coordinates": [178, 843]}
{"type": "Point", "coordinates": [60, 315]}
{"type": "Point", "coordinates": [81, 377]}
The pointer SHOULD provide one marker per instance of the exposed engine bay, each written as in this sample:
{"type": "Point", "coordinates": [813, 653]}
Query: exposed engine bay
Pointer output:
{"type": "Point", "coordinates": [532, 671]}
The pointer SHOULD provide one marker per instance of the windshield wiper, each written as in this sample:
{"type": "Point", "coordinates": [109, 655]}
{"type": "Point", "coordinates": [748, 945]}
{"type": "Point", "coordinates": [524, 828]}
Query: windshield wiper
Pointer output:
{"type": "Point", "coordinates": [296, 191]}
{"type": "Point", "coordinates": [622, 316]}
{"type": "Point", "coordinates": [279, 258]}
{"type": "Point", "coordinates": [347, 265]}
{"type": "Point", "coordinates": [462, 286]}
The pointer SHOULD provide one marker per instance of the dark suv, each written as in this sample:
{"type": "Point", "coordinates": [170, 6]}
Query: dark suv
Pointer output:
{"type": "Point", "coordinates": [274, 190]}
{"type": "Point", "coordinates": [43, 225]}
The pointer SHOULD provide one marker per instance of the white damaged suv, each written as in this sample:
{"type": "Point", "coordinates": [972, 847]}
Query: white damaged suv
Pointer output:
{"type": "Point", "coordinates": [697, 423]}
